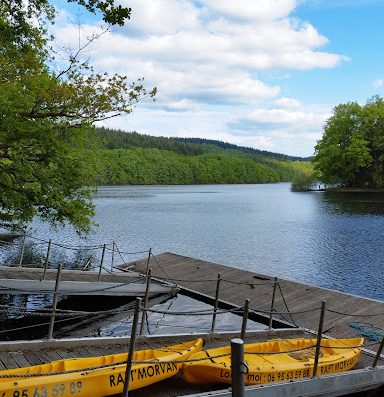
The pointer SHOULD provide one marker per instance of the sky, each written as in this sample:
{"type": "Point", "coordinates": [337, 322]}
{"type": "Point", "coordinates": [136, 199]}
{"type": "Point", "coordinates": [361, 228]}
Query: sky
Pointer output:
{"type": "Point", "coordinates": [264, 74]}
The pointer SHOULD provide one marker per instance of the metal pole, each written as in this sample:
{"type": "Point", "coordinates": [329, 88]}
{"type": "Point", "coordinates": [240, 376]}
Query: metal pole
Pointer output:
{"type": "Point", "coordinates": [131, 348]}
{"type": "Point", "coordinates": [47, 258]}
{"type": "Point", "coordinates": [143, 315]}
{"type": "Point", "coordinates": [318, 343]}
{"type": "Point", "coordinates": [237, 362]}
{"type": "Point", "coordinates": [376, 360]}
{"type": "Point", "coordinates": [245, 318]}
{"type": "Point", "coordinates": [216, 302]}
{"type": "Point", "coordinates": [113, 256]}
{"type": "Point", "coordinates": [272, 303]}
{"type": "Point", "coordinates": [149, 257]}
{"type": "Point", "coordinates": [101, 263]}
{"type": "Point", "coordinates": [22, 251]}
{"type": "Point", "coordinates": [55, 298]}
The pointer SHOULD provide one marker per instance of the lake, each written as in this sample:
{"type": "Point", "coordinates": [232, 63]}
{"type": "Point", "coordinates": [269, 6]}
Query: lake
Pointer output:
{"type": "Point", "coordinates": [333, 240]}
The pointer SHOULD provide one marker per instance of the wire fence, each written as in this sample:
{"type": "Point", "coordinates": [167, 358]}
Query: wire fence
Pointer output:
{"type": "Point", "coordinates": [96, 262]}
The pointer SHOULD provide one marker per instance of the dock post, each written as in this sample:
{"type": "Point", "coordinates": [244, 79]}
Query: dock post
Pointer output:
{"type": "Point", "coordinates": [377, 357]}
{"type": "Point", "coordinates": [216, 302]}
{"type": "Point", "coordinates": [101, 263]}
{"type": "Point", "coordinates": [149, 257]}
{"type": "Point", "coordinates": [143, 315]}
{"type": "Point", "coordinates": [113, 256]}
{"type": "Point", "coordinates": [245, 319]}
{"type": "Point", "coordinates": [318, 343]}
{"type": "Point", "coordinates": [55, 298]}
{"type": "Point", "coordinates": [22, 250]}
{"type": "Point", "coordinates": [272, 303]}
{"type": "Point", "coordinates": [237, 363]}
{"type": "Point", "coordinates": [131, 348]}
{"type": "Point", "coordinates": [47, 258]}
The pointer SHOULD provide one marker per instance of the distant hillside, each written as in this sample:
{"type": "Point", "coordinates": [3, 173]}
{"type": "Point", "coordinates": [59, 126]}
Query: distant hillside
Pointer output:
{"type": "Point", "coordinates": [116, 139]}
{"type": "Point", "coordinates": [242, 149]}
{"type": "Point", "coordinates": [132, 158]}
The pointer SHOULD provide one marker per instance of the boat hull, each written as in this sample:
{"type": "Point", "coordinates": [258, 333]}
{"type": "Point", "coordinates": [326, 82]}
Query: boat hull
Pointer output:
{"type": "Point", "coordinates": [96, 382]}
{"type": "Point", "coordinates": [335, 356]}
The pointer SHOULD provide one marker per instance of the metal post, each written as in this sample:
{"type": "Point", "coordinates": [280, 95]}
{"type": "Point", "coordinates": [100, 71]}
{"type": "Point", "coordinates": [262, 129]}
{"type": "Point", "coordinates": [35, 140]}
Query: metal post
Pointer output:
{"type": "Point", "coordinates": [216, 302]}
{"type": "Point", "coordinates": [237, 363]}
{"type": "Point", "coordinates": [376, 360]}
{"type": "Point", "coordinates": [131, 348]}
{"type": "Point", "coordinates": [245, 319]}
{"type": "Point", "coordinates": [272, 304]}
{"type": "Point", "coordinates": [113, 256]}
{"type": "Point", "coordinates": [47, 258]}
{"type": "Point", "coordinates": [149, 257]}
{"type": "Point", "coordinates": [318, 343]}
{"type": "Point", "coordinates": [101, 263]}
{"type": "Point", "coordinates": [143, 315]}
{"type": "Point", "coordinates": [22, 251]}
{"type": "Point", "coordinates": [55, 298]}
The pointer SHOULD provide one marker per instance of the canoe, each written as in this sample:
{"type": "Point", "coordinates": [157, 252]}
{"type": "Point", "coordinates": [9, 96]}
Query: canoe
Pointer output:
{"type": "Point", "coordinates": [294, 360]}
{"type": "Point", "coordinates": [80, 378]}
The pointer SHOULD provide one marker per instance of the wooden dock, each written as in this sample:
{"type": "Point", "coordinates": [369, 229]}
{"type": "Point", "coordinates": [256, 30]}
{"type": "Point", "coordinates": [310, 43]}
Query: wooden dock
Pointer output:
{"type": "Point", "coordinates": [30, 281]}
{"type": "Point", "coordinates": [296, 305]}
{"type": "Point", "coordinates": [301, 300]}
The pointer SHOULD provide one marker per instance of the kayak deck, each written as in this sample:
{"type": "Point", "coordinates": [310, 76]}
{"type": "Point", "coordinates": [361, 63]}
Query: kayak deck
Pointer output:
{"type": "Point", "coordinates": [275, 360]}
{"type": "Point", "coordinates": [80, 377]}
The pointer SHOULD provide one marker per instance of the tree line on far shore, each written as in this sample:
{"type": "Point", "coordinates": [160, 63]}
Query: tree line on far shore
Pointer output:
{"type": "Point", "coordinates": [132, 158]}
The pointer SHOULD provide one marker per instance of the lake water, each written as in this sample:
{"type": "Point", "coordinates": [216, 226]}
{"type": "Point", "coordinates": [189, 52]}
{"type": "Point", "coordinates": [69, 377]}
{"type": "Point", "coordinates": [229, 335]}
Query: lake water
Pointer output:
{"type": "Point", "coordinates": [333, 240]}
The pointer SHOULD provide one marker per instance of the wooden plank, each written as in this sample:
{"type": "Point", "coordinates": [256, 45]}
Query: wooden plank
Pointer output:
{"type": "Point", "coordinates": [20, 359]}
{"type": "Point", "coordinates": [32, 358]}
{"type": "Point", "coordinates": [8, 361]}
{"type": "Point", "coordinates": [200, 276]}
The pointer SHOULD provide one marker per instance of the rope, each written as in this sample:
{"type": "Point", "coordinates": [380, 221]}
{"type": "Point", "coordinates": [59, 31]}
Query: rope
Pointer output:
{"type": "Point", "coordinates": [355, 315]}
{"type": "Point", "coordinates": [368, 330]}
{"type": "Point", "coordinates": [158, 264]}
{"type": "Point", "coordinates": [195, 313]}
{"type": "Point", "coordinates": [286, 305]}
{"type": "Point", "coordinates": [281, 313]}
{"type": "Point", "coordinates": [252, 285]}
{"type": "Point", "coordinates": [72, 313]}
{"type": "Point", "coordinates": [46, 292]}
{"type": "Point", "coordinates": [127, 253]}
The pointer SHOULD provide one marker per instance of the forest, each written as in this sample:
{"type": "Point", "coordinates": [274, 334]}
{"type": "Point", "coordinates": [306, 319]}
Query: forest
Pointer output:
{"type": "Point", "coordinates": [351, 151]}
{"type": "Point", "coordinates": [133, 158]}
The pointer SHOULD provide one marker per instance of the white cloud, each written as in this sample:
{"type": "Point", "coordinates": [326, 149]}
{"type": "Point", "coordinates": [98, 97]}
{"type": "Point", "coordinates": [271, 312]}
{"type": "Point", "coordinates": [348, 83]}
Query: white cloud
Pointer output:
{"type": "Point", "coordinates": [252, 10]}
{"type": "Point", "coordinates": [207, 57]}
{"type": "Point", "coordinates": [290, 129]}
{"type": "Point", "coordinates": [287, 102]}
{"type": "Point", "coordinates": [285, 116]}
{"type": "Point", "coordinates": [162, 17]}
{"type": "Point", "coordinates": [378, 83]}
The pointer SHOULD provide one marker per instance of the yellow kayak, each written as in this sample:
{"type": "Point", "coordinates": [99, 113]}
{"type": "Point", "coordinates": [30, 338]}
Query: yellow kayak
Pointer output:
{"type": "Point", "coordinates": [79, 377]}
{"type": "Point", "coordinates": [295, 361]}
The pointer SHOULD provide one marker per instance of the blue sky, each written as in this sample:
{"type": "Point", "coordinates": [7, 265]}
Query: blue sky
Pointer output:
{"type": "Point", "coordinates": [258, 73]}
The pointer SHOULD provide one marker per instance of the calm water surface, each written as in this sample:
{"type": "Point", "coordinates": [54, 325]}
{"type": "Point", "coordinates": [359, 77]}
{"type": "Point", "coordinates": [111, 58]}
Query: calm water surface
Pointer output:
{"type": "Point", "coordinates": [327, 239]}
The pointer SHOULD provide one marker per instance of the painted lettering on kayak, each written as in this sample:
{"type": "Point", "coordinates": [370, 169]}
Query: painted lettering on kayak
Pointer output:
{"type": "Point", "coordinates": [224, 373]}
{"type": "Point", "coordinates": [340, 366]}
{"type": "Point", "coordinates": [55, 390]}
{"type": "Point", "coordinates": [143, 373]}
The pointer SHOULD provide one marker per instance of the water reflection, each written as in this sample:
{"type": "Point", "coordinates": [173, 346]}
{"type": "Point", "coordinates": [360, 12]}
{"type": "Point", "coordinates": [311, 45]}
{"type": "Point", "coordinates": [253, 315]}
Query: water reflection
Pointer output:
{"type": "Point", "coordinates": [162, 324]}
{"type": "Point", "coordinates": [355, 203]}
{"type": "Point", "coordinates": [333, 240]}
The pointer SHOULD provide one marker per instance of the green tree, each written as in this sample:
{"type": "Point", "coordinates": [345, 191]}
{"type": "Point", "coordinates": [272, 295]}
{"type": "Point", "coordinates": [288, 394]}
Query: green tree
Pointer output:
{"type": "Point", "coordinates": [343, 155]}
{"type": "Point", "coordinates": [45, 154]}
{"type": "Point", "coordinates": [373, 127]}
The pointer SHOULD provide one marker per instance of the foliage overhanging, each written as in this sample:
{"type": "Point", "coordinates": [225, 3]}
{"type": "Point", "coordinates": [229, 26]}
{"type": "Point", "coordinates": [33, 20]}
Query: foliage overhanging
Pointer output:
{"type": "Point", "coordinates": [45, 115]}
